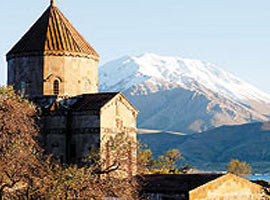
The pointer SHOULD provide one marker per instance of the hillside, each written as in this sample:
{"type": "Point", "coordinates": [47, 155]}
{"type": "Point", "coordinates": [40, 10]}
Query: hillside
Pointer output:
{"type": "Point", "coordinates": [213, 149]}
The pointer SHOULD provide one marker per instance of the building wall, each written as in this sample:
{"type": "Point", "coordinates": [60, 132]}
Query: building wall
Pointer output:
{"type": "Point", "coordinates": [119, 117]}
{"type": "Point", "coordinates": [73, 73]}
{"type": "Point", "coordinates": [71, 135]}
{"type": "Point", "coordinates": [28, 70]}
{"type": "Point", "coordinates": [54, 128]}
{"type": "Point", "coordinates": [85, 129]}
{"type": "Point", "coordinates": [76, 75]}
{"type": "Point", "coordinates": [228, 187]}
{"type": "Point", "coordinates": [56, 145]}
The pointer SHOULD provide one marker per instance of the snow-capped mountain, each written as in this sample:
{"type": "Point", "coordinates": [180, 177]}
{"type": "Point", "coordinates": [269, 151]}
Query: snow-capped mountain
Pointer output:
{"type": "Point", "coordinates": [179, 94]}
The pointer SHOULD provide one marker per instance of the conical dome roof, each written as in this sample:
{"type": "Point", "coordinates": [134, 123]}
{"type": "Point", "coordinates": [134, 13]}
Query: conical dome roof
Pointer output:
{"type": "Point", "coordinates": [52, 34]}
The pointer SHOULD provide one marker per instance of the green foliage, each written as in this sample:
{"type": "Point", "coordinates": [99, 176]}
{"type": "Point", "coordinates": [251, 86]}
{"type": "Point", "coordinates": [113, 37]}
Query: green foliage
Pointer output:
{"type": "Point", "coordinates": [146, 161]}
{"type": "Point", "coordinates": [185, 168]}
{"type": "Point", "coordinates": [6, 91]}
{"type": "Point", "coordinates": [165, 164]}
{"type": "Point", "coordinates": [239, 168]}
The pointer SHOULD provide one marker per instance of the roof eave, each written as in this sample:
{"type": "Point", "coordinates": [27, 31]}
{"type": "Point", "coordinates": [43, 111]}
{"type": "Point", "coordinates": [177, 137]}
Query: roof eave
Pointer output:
{"type": "Point", "coordinates": [120, 93]}
{"type": "Point", "coordinates": [10, 56]}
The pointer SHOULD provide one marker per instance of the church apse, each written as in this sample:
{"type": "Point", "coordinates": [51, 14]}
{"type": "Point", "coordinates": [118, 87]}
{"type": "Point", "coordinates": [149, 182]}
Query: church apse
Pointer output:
{"type": "Point", "coordinates": [52, 49]}
{"type": "Point", "coordinates": [71, 73]}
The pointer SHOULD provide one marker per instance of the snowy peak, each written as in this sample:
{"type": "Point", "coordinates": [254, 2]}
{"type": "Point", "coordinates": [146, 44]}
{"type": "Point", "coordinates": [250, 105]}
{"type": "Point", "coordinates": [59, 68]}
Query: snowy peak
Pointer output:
{"type": "Point", "coordinates": [180, 94]}
{"type": "Point", "coordinates": [157, 71]}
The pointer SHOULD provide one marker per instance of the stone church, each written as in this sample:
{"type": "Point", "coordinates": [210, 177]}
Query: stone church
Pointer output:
{"type": "Point", "coordinates": [54, 66]}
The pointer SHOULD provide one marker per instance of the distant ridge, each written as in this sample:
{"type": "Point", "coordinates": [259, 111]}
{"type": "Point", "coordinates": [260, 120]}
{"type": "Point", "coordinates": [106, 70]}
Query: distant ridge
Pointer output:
{"type": "Point", "coordinates": [213, 149]}
{"type": "Point", "coordinates": [148, 131]}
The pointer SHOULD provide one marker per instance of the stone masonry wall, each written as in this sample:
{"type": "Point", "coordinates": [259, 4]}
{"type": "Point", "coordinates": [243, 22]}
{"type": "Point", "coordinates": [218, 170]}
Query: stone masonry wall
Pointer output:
{"type": "Point", "coordinates": [77, 75]}
{"type": "Point", "coordinates": [28, 70]}
{"type": "Point", "coordinates": [85, 129]}
{"type": "Point", "coordinates": [118, 116]}
{"type": "Point", "coordinates": [80, 131]}
{"type": "Point", "coordinates": [228, 187]}
{"type": "Point", "coordinates": [70, 135]}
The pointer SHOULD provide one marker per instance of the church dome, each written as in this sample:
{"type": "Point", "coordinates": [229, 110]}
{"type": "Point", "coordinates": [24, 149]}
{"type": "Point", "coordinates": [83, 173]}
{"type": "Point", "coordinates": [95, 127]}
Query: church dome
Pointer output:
{"type": "Point", "coordinates": [52, 34]}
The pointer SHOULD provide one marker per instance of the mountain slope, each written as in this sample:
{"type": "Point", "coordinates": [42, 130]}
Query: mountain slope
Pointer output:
{"type": "Point", "coordinates": [186, 95]}
{"type": "Point", "coordinates": [213, 149]}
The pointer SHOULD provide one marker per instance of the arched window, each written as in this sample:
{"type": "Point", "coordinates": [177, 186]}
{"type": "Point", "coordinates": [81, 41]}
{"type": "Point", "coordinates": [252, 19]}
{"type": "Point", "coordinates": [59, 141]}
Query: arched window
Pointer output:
{"type": "Point", "coordinates": [56, 87]}
{"type": "Point", "coordinates": [23, 88]}
{"type": "Point", "coordinates": [86, 86]}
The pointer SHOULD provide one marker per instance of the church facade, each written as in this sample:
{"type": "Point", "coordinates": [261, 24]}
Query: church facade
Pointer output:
{"type": "Point", "coordinates": [54, 66]}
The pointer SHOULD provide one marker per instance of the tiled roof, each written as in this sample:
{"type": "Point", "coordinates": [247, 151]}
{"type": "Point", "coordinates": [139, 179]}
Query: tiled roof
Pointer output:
{"type": "Point", "coordinates": [173, 183]}
{"type": "Point", "coordinates": [93, 101]}
{"type": "Point", "coordinates": [52, 34]}
{"type": "Point", "coordinates": [85, 102]}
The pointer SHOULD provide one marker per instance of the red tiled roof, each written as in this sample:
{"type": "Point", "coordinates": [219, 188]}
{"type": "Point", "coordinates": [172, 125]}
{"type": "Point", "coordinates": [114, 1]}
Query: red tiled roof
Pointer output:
{"type": "Point", "coordinates": [52, 34]}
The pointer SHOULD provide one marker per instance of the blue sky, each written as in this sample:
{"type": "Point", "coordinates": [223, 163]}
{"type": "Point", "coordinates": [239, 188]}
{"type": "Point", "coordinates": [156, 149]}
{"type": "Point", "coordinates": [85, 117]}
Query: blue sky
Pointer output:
{"type": "Point", "coordinates": [234, 34]}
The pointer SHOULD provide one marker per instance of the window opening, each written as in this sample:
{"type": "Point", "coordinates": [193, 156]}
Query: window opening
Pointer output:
{"type": "Point", "coordinates": [23, 88]}
{"type": "Point", "coordinates": [56, 87]}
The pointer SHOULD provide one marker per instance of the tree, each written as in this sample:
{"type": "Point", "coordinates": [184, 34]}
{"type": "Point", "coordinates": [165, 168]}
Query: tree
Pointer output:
{"type": "Point", "coordinates": [98, 178]}
{"type": "Point", "coordinates": [20, 154]}
{"type": "Point", "coordinates": [145, 160]}
{"type": "Point", "coordinates": [73, 182]}
{"type": "Point", "coordinates": [239, 168]}
{"type": "Point", "coordinates": [185, 169]}
{"type": "Point", "coordinates": [27, 173]}
{"type": "Point", "coordinates": [165, 164]}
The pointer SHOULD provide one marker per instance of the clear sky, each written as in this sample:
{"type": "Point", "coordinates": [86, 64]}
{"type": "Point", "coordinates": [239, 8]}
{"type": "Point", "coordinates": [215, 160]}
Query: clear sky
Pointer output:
{"type": "Point", "coordinates": [234, 34]}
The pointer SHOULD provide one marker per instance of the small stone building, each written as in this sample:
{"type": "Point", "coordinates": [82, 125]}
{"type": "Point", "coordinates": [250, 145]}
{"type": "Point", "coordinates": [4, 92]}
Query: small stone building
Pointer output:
{"type": "Point", "coordinates": [54, 66]}
{"type": "Point", "coordinates": [200, 187]}
{"type": "Point", "coordinates": [76, 125]}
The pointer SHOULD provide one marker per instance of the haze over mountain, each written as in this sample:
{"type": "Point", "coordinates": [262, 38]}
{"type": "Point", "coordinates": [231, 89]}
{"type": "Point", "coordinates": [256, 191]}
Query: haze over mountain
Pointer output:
{"type": "Point", "coordinates": [187, 95]}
